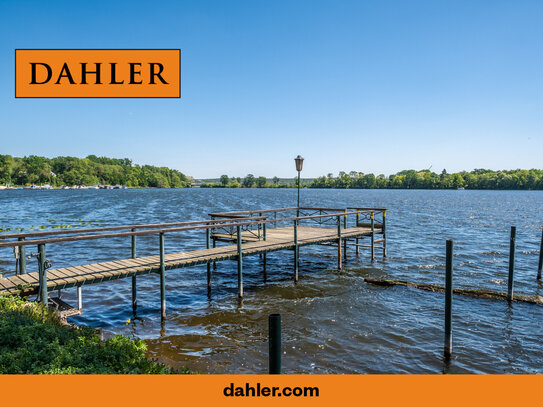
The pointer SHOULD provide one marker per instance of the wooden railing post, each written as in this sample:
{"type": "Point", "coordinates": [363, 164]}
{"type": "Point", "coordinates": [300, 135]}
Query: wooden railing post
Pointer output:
{"type": "Point", "coordinates": [240, 262]}
{"type": "Point", "coordinates": [296, 251]}
{"type": "Point", "coordinates": [345, 240]}
{"type": "Point", "coordinates": [357, 240]}
{"type": "Point", "coordinates": [162, 278]}
{"type": "Point", "coordinates": [22, 257]}
{"type": "Point", "coordinates": [339, 255]}
{"type": "Point", "coordinates": [208, 245]}
{"type": "Point", "coordinates": [44, 296]}
{"type": "Point", "coordinates": [372, 236]}
{"type": "Point", "coordinates": [134, 282]}
{"type": "Point", "coordinates": [265, 254]}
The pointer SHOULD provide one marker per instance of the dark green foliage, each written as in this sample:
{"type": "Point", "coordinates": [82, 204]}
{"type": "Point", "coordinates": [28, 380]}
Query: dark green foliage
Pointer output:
{"type": "Point", "coordinates": [86, 171]}
{"type": "Point", "coordinates": [33, 341]}
{"type": "Point", "coordinates": [425, 179]}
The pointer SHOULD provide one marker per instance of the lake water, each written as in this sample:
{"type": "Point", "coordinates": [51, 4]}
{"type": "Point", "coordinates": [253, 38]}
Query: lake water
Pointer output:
{"type": "Point", "coordinates": [332, 323]}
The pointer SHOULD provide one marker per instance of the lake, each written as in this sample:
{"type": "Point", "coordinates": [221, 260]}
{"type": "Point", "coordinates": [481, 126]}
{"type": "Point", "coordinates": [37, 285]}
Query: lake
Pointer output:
{"type": "Point", "coordinates": [332, 322]}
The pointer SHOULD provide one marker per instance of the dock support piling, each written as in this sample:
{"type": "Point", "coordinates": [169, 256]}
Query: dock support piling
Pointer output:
{"type": "Point", "coordinates": [274, 340]}
{"type": "Point", "coordinates": [264, 255]}
{"type": "Point", "coordinates": [240, 263]}
{"type": "Point", "coordinates": [357, 249]}
{"type": "Point", "coordinates": [510, 280]}
{"type": "Point", "coordinates": [79, 299]}
{"type": "Point", "coordinates": [42, 274]}
{"type": "Point", "coordinates": [134, 282]}
{"type": "Point", "coordinates": [540, 266]}
{"type": "Point", "coordinates": [162, 278]}
{"type": "Point", "coordinates": [448, 300]}
{"type": "Point", "coordinates": [345, 240]}
{"type": "Point", "coordinates": [208, 245]}
{"type": "Point", "coordinates": [22, 257]}
{"type": "Point", "coordinates": [384, 234]}
{"type": "Point", "coordinates": [296, 251]}
{"type": "Point", "coordinates": [373, 236]}
{"type": "Point", "coordinates": [339, 255]}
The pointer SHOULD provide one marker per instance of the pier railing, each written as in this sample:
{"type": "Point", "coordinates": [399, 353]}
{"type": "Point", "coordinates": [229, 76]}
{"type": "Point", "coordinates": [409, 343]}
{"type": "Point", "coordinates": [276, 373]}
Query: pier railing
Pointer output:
{"type": "Point", "coordinates": [243, 221]}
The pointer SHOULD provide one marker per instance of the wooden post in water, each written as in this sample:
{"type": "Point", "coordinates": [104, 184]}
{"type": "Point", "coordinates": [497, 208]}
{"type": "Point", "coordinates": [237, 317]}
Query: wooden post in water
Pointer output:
{"type": "Point", "coordinates": [214, 244]}
{"type": "Point", "coordinates": [448, 300]}
{"type": "Point", "coordinates": [540, 266]}
{"type": "Point", "coordinates": [79, 299]}
{"type": "Point", "coordinates": [372, 236]}
{"type": "Point", "coordinates": [274, 340]}
{"type": "Point", "coordinates": [296, 251]}
{"type": "Point", "coordinates": [134, 286]}
{"type": "Point", "coordinates": [208, 245]}
{"type": "Point", "coordinates": [42, 274]}
{"type": "Point", "coordinates": [22, 257]}
{"type": "Point", "coordinates": [240, 263]}
{"type": "Point", "coordinates": [345, 240]}
{"type": "Point", "coordinates": [162, 278]}
{"type": "Point", "coordinates": [265, 255]}
{"type": "Point", "coordinates": [384, 233]}
{"type": "Point", "coordinates": [511, 263]}
{"type": "Point", "coordinates": [339, 255]}
{"type": "Point", "coordinates": [357, 240]}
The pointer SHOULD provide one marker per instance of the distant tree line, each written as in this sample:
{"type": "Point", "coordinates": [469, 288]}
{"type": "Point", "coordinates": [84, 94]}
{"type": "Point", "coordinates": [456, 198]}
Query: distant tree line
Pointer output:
{"type": "Point", "coordinates": [408, 179]}
{"type": "Point", "coordinates": [92, 170]}
{"type": "Point", "coordinates": [425, 179]}
{"type": "Point", "coordinates": [250, 181]}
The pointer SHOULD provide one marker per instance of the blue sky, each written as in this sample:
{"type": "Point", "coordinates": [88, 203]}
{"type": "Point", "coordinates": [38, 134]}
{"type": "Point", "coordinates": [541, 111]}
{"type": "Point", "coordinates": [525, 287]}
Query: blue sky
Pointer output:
{"type": "Point", "coordinates": [371, 86]}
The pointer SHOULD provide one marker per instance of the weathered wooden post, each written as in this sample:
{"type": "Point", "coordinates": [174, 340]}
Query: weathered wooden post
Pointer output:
{"type": "Point", "coordinates": [384, 233]}
{"type": "Point", "coordinates": [134, 285]}
{"type": "Point", "coordinates": [448, 300]}
{"type": "Point", "coordinates": [42, 274]}
{"type": "Point", "coordinates": [214, 244]}
{"type": "Point", "coordinates": [357, 240]}
{"type": "Point", "coordinates": [79, 299]}
{"type": "Point", "coordinates": [208, 245]}
{"type": "Point", "coordinates": [296, 251]}
{"type": "Point", "coordinates": [22, 257]}
{"type": "Point", "coordinates": [162, 278]}
{"type": "Point", "coordinates": [265, 255]}
{"type": "Point", "coordinates": [274, 340]}
{"type": "Point", "coordinates": [510, 280]}
{"type": "Point", "coordinates": [540, 266]}
{"type": "Point", "coordinates": [372, 236]}
{"type": "Point", "coordinates": [240, 263]}
{"type": "Point", "coordinates": [345, 240]}
{"type": "Point", "coordinates": [339, 255]}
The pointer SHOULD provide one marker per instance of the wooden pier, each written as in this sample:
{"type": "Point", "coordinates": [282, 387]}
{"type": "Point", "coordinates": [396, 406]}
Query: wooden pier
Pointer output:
{"type": "Point", "coordinates": [239, 234]}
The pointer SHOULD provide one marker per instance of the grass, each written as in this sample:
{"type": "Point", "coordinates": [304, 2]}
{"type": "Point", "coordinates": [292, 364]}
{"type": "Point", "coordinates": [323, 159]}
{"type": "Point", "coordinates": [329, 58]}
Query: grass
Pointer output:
{"type": "Point", "coordinates": [34, 341]}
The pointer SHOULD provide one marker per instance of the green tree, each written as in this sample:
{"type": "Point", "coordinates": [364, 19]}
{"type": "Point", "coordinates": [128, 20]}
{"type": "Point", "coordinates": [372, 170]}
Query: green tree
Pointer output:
{"type": "Point", "coordinates": [249, 181]}
{"type": "Point", "coordinates": [261, 182]}
{"type": "Point", "coordinates": [225, 180]}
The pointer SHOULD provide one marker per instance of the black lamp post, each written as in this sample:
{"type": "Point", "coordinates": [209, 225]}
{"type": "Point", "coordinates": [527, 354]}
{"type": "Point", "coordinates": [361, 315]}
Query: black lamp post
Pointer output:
{"type": "Point", "coordinates": [299, 164]}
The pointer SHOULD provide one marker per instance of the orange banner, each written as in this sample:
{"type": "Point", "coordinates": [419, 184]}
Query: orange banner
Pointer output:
{"type": "Point", "coordinates": [98, 73]}
{"type": "Point", "coordinates": [247, 390]}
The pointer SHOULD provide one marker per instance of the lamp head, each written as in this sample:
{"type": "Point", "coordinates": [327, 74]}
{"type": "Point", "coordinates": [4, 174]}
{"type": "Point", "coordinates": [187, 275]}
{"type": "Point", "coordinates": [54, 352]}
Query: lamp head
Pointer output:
{"type": "Point", "coordinates": [299, 163]}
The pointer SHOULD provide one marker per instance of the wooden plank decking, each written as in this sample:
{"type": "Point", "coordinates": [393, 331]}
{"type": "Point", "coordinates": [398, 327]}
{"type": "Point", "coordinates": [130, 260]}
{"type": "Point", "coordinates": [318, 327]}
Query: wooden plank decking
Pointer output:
{"type": "Point", "coordinates": [277, 239]}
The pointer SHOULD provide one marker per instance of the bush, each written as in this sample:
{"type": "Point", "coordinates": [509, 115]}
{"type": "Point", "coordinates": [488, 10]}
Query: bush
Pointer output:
{"type": "Point", "coordinates": [33, 341]}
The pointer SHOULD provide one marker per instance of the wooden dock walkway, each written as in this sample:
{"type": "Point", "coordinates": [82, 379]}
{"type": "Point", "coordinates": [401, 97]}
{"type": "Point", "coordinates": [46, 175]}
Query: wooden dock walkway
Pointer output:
{"type": "Point", "coordinates": [244, 233]}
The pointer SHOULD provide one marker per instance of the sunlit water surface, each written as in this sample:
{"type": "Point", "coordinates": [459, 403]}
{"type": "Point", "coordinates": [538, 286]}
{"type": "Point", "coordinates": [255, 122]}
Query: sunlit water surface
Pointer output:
{"type": "Point", "coordinates": [332, 323]}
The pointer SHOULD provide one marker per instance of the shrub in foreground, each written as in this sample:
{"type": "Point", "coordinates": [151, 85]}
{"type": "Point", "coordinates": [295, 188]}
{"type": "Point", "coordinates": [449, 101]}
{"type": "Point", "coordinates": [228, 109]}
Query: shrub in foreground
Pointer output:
{"type": "Point", "coordinates": [33, 341]}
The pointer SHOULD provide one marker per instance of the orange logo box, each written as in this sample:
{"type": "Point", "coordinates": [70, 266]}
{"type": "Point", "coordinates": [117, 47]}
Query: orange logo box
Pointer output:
{"type": "Point", "coordinates": [97, 73]}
